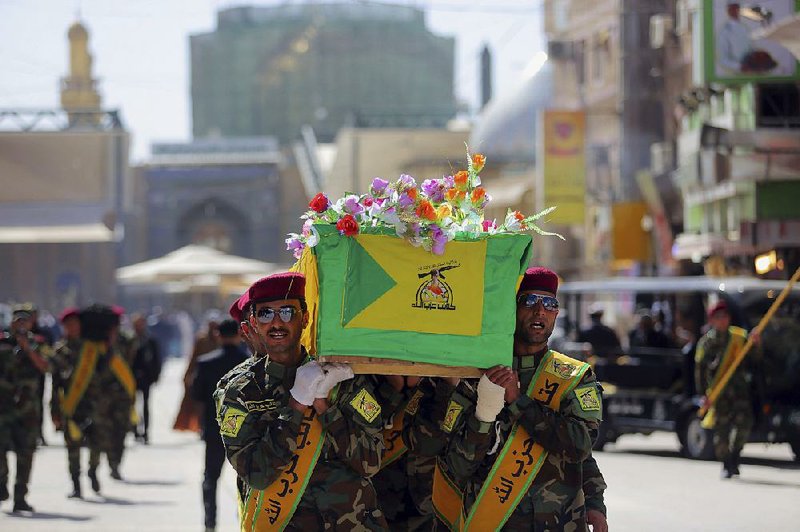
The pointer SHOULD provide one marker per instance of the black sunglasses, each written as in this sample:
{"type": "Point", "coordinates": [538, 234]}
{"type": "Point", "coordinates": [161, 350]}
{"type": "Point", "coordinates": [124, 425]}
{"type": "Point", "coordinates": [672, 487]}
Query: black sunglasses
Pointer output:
{"type": "Point", "coordinates": [266, 315]}
{"type": "Point", "coordinates": [529, 300]}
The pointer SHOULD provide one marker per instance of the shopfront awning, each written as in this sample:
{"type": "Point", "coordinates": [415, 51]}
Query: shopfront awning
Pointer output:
{"type": "Point", "coordinates": [56, 234]}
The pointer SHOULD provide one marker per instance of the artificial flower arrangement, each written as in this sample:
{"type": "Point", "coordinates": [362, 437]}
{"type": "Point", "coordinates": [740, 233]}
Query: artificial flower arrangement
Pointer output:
{"type": "Point", "coordinates": [428, 215]}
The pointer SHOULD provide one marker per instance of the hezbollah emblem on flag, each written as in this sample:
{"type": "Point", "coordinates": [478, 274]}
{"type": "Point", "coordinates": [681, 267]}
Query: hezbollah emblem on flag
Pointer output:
{"type": "Point", "coordinates": [434, 292]}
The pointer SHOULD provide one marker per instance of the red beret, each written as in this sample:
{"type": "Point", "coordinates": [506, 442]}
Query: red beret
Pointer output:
{"type": "Point", "coordinates": [287, 285]}
{"type": "Point", "coordinates": [539, 279]}
{"type": "Point", "coordinates": [720, 305]}
{"type": "Point", "coordinates": [116, 309]}
{"type": "Point", "coordinates": [69, 312]}
{"type": "Point", "coordinates": [239, 306]}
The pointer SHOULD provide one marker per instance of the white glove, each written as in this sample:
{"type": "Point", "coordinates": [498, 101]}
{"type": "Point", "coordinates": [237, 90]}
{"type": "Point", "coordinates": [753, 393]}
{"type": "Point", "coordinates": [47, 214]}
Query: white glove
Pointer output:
{"type": "Point", "coordinates": [334, 374]}
{"type": "Point", "coordinates": [306, 382]}
{"type": "Point", "coordinates": [491, 399]}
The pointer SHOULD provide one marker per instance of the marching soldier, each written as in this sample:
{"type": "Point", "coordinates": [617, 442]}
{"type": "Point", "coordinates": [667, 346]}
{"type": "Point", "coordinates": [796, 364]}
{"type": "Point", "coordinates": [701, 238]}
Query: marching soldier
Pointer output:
{"type": "Point", "coordinates": [68, 409]}
{"type": "Point", "coordinates": [304, 438]}
{"type": "Point", "coordinates": [731, 417]}
{"type": "Point", "coordinates": [27, 367]}
{"type": "Point", "coordinates": [515, 460]}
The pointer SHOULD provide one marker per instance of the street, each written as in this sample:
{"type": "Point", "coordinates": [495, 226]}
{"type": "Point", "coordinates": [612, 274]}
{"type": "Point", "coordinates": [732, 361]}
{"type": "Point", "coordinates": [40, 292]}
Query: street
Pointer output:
{"type": "Point", "coordinates": [650, 486]}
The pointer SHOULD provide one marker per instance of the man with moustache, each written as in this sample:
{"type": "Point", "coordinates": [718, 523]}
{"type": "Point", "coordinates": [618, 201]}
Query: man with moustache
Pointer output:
{"type": "Point", "coordinates": [303, 437]}
{"type": "Point", "coordinates": [517, 452]}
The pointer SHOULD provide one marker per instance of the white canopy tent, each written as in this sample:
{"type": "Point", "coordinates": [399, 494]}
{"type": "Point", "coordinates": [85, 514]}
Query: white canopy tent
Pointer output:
{"type": "Point", "coordinates": [192, 278]}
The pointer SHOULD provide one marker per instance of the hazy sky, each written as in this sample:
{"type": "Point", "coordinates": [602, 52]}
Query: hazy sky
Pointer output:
{"type": "Point", "coordinates": [141, 52]}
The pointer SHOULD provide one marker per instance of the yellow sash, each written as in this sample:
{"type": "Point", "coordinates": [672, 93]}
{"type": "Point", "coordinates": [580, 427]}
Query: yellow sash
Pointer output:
{"type": "Point", "coordinates": [273, 508]}
{"type": "Point", "coordinates": [81, 376]}
{"type": "Point", "coordinates": [519, 461]}
{"type": "Point", "coordinates": [738, 337]}
{"type": "Point", "coordinates": [123, 373]}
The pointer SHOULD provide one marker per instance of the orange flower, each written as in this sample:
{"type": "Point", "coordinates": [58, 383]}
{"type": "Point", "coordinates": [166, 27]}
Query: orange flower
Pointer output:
{"type": "Point", "coordinates": [478, 161]}
{"type": "Point", "coordinates": [461, 179]}
{"type": "Point", "coordinates": [455, 195]}
{"type": "Point", "coordinates": [519, 216]}
{"type": "Point", "coordinates": [443, 211]}
{"type": "Point", "coordinates": [478, 194]}
{"type": "Point", "coordinates": [412, 193]}
{"type": "Point", "coordinates": [426, 210]}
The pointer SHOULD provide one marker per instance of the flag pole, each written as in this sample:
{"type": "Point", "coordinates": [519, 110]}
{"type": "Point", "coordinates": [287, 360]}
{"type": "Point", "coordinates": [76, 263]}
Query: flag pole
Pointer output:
{"type": "Point", "coordinates": [714, 394]}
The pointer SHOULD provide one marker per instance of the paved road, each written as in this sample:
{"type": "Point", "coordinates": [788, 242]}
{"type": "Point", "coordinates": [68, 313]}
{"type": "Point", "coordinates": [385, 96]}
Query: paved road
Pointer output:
{"type": "Point", "coordinates": [651, 487]}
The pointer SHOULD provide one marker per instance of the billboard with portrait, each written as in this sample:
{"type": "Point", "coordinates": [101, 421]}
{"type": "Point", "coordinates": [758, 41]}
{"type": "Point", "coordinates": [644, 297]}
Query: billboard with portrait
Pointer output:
{"type": "Point", "coordinates": [733, 54]}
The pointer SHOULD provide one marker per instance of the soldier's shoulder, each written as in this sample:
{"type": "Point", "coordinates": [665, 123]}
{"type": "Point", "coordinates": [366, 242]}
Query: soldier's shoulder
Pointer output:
{"type": "Point", "coordinates": [239, 381]}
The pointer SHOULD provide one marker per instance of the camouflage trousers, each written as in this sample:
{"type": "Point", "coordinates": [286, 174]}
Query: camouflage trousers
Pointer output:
{"type": "Point", "coordinates": [74, 451]}
{"type": "Point", "coordinates": [339, 502]}
{"type": "Point", "coordinates": [23, 442]}
{"type": "Point", "coordinates": [571, 519]}
{"type": "Point", "coordinates": [110, 424]}
{"type": "Point", "coordinates": [404, 490]}
{"type": "Point", "coordinates": [732, 426]}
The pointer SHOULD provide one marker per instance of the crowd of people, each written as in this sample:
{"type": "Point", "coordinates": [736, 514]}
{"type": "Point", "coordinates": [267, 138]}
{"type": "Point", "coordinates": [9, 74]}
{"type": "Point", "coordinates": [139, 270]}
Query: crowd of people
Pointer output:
{"type": "Point", "coordinates": [96, 371]}
{"type": "Point", "coordinates": [316, 447]}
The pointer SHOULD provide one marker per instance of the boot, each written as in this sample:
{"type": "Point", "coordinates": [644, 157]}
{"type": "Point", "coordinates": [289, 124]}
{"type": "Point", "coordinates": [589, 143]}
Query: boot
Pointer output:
{"type": "Point", "coordinates": [735, 464]}
{"type": "Point", "coordinates": [115, 473]}
{"type": "Point", "coordinates": [21, 506]}
{"type": "Point", "coordinates": [727, 469]}
{"type": "Point", "coordinates": [95, 483]}
{"type": "Point", "coordinates": [76, 489]}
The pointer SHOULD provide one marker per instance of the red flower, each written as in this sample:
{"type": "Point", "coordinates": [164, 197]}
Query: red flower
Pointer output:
{"type": "Point", "coordinates": [319, 203]}
{"type": "Point", "coordinates": [367, 202]}
{"type": "Point", "coordinates": [478, 161]}
{"type": "Point", "coordinates": [348, 226]}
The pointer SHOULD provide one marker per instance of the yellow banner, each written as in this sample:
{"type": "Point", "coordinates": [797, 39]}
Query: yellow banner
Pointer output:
{"type": "Point", "coordinates": [563, 174]}
{"type": "Point", "coordinates": [273, 508]}
{"type": "Point", "coordinates": [393, 286]}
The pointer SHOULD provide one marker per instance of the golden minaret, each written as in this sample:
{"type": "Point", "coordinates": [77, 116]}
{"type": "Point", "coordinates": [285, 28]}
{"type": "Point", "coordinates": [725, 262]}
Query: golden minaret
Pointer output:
{"type": "Point", "coordinates": [78, 90]}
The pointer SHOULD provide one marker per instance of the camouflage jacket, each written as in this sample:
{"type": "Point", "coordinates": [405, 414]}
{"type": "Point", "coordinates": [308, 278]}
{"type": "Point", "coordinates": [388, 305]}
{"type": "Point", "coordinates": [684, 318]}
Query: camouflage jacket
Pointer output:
{"type": "Point", "coordinates": [263, 442]}
{"type": "Point", "coordinates": [28, 384]}
{"type": "Point", "coordinates": [594, 486]}
{"type": "Point", "coordinates": [555, 500]}
{"type": "Point", "coordinates": [708, 357]}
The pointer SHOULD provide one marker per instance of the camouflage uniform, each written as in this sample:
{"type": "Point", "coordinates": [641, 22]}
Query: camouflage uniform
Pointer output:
{"type": "Point", "coordinates": [65, 359]}
{"type": "Point", "coordinates": [339, 494]}
{"type": "Point", "coordinates": [734, 406]}
{"type": "Point", "coordinates": [26, 429]}
{"type": "Point", "coordinates": [110, 413]}
{"type": "Point", "coordinates": [555, 500]}
{"type": "Point", "coordinates": [8, 414]}
{"type": "Point", "coordinates": [404, 487]}
{"type": "Point", "coordinates": [594, 486]}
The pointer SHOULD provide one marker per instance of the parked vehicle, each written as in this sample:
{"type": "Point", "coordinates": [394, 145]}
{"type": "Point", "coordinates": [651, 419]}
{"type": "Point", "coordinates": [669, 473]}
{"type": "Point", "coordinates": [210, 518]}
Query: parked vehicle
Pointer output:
{"type": "Point", "coordinates": [649, 389]}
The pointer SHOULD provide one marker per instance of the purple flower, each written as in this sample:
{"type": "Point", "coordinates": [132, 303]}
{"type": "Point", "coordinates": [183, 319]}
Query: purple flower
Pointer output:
{"type": "Point", "coordinates": [448, 182]}
{"type": "Point", "coordinates": [414, 229]}
{"type": "Point", "coordinates": [438, 240]}
{"type": "Point", "coordinates": [433, 189]}
{"type": "Point", "coordinates": [404, 201]}
{"type": "Point", "coordinates": [352, 206]}
{"type": "Point", "coordinates": [405, 181]}
{"type": "Point", "coordinates": [378, 186]}
{"type": "Point", "coordinates": [295, 245]}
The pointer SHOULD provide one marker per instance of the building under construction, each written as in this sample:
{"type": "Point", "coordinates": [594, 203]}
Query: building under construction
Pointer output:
{"type": "Point", "coordinates": [271, 70]}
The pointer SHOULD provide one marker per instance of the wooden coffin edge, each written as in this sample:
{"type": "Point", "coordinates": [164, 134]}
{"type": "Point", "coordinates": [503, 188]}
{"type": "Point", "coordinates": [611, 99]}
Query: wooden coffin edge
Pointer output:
{"type": "Point", "coordinates": [388, 366]}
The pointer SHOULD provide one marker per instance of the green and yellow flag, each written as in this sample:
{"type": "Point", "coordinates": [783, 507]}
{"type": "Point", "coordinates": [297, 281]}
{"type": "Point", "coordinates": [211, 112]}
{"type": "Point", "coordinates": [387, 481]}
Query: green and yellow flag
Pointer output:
{"type": "Point", "coordinates": [381, 297]}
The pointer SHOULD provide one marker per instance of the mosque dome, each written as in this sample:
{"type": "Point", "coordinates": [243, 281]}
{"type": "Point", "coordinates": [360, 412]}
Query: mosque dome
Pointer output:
{"type": "Point", "coordinates": [506, 129]}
